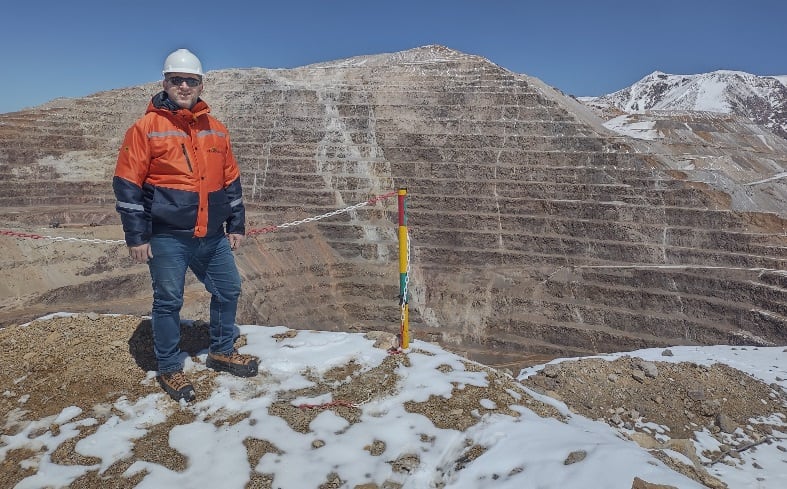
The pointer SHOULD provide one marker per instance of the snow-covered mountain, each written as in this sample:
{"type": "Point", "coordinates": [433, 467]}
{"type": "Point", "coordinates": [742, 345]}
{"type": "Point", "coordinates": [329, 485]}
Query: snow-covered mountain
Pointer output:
{"type": "Point", "coordinates": [763, 99]}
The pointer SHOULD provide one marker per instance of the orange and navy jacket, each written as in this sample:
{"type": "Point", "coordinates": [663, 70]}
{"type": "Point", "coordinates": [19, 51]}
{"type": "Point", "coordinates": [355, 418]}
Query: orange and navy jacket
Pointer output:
{"type": "Point", "coordinates": [176, 174]}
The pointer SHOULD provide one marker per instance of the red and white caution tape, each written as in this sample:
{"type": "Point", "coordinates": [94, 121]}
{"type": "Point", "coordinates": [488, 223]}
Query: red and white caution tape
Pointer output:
{"type": "Point", "coordinates": [252, 232]}
{"type": "Point", "coordinates": [270, 229]}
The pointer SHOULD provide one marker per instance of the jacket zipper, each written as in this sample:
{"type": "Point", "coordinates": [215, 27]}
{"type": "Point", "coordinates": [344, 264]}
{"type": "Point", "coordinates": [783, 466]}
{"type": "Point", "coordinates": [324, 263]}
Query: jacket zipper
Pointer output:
{"type": "Point", "coordinates": [188, 160]}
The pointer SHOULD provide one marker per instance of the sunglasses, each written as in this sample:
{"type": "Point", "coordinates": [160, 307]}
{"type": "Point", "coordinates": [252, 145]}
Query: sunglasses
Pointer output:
{"type": "Point", "coordinates": [177, 80]}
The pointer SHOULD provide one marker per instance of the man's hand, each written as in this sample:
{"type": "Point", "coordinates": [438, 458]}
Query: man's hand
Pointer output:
{"type": "Point", "coordinates": [140, 253]}
{"type": "Point", "coordinates": [235, 240]}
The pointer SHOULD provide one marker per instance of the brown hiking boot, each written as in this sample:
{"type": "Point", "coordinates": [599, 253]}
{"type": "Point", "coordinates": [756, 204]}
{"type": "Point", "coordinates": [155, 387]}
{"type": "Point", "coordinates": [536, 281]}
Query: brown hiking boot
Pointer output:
{"type": "Point", "coordinates": [177, 385]}
{"type": "Point", "coordinates": [234, 363]}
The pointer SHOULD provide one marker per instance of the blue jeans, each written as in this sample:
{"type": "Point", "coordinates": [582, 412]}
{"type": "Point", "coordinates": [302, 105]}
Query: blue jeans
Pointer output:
{"type": "Point", "coordinates": [212, 262]}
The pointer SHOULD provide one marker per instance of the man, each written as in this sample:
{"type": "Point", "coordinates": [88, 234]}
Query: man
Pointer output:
{"type": "Point", "coordinates": [178, 192]}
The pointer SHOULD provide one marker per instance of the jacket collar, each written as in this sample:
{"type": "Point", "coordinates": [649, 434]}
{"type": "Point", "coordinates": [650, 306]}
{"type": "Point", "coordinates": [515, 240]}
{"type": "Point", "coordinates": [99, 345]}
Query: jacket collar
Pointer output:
{"type": "Point", "coordinates": [161, 102]}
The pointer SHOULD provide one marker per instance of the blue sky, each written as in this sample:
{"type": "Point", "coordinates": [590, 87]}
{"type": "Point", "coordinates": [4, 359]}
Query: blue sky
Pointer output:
{"type": "Point", "coordinates": [582, 47]}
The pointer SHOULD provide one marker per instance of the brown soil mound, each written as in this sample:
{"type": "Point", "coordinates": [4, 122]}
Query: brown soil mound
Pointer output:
{"type": "Point", "coordinates": [661, 405]}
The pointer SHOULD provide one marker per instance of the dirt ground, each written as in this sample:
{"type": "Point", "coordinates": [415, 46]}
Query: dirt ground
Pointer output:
{"type": "Point", "coordinates": [661, 404]}
{"type": "Point", "coordinates": [90, 360]}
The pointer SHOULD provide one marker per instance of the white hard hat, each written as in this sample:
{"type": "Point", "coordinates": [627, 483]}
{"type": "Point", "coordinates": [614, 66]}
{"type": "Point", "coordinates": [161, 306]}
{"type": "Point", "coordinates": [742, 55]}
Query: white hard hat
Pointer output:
{"type": "Point", "coordinates": [182, 61]}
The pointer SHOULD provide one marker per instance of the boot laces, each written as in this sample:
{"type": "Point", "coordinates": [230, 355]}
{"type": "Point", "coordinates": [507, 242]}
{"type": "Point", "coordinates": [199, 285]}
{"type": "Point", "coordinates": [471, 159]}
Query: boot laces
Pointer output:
{"type": "Point", "coordinates": [177, 380]}
{"type": "Point", "coordinates": [235, 357]}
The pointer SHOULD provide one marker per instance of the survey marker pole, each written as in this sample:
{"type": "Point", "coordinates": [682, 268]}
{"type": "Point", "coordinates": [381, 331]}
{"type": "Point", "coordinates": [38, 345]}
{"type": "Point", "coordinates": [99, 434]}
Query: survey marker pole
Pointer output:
{"type": "Point", "coordinates": [403, 265]}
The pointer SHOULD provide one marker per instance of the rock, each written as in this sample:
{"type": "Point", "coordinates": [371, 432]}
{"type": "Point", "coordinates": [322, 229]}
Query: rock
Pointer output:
{"type": "Point", "coordinates": [575, 457]}
{"type": "Point", "coordinates": [383, 339]}
{"type": "Point", "coordinates": [407, 463]}
{"type": "Point", "coordinates": [638, 376]}
{"type": "Point", "coordinates": [554, 395]}
{"type": "Point", "coordinates": [290, 333]}
{"type": "Point", "coordinates": [551, 370]}
{"type": "Point", "coordinates": [710, 407]}
{"type": "Point", "coordinates": [644, 440]}
{"type": "Point", "coordinates": [697, 393]}
{"type": "Point", "coordinates": [725, 423]}
{"type": "Point", "coordinates": [667, 353]}
{"type": "Point", "coordinates": [612, 377]}
{"type": "Point", "coordinates": [650, 369]}
{"type": "Point", "coordinates": [641, 484]}
{"type": "Point", "coordinates": [686, 447]}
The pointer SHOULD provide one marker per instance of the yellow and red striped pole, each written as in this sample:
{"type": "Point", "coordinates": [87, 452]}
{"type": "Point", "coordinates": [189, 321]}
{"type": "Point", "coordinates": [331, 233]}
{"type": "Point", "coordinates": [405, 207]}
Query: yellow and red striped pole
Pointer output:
{"type": "Point", "coordinates": [403, 265]}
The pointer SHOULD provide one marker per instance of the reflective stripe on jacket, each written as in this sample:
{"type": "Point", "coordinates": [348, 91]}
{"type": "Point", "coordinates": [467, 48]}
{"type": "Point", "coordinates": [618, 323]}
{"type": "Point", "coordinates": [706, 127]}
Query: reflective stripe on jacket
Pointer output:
{"type": "Point", "coordinates": [176, 174]}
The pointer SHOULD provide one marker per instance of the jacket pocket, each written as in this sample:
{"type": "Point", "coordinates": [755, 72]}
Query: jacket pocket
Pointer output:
{"type": "Point", "coordinates": [218, 209]}
{"type": "Point", "coordinates": [188, 160]}
{"type": "Point", "coordinates": [175, 209]}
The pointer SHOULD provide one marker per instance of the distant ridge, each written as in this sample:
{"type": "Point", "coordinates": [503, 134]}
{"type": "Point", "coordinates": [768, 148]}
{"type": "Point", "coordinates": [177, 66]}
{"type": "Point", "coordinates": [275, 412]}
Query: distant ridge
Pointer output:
{"type": "Point", "coordinates": [432, 53]}
{"type": "Point", "coordinates": [762, 99]}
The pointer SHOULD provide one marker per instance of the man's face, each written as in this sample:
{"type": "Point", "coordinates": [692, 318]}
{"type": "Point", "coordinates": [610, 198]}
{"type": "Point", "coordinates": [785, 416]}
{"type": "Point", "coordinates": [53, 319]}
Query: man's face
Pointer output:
{"type": "Point", "coordinates": [179, 89]}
